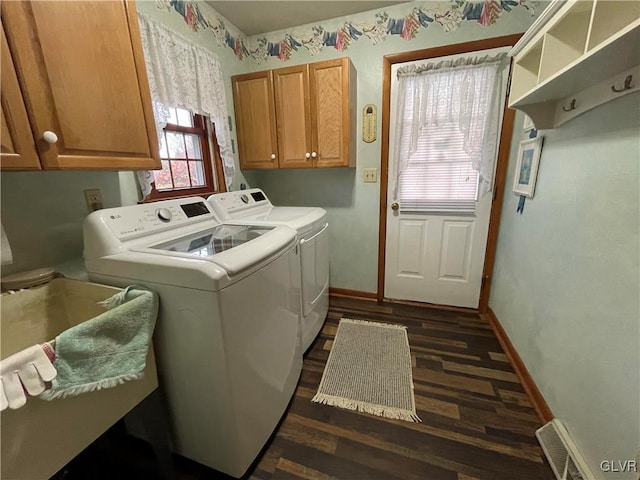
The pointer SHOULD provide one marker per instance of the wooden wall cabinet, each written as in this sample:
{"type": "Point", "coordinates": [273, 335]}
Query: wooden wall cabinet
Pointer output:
{"type": "Point", "coordinates": [293, 117]}
{"type": "Point", "coordinates": [255, 120]}
{"type": "Point", "coordinates": [17, 148]}
{"type": "Point", "coordinates": [579, 54]}
{"type": "Point", "coordinates": [297, 117]}
{"type": "Point", "coordinates": [74, 88]}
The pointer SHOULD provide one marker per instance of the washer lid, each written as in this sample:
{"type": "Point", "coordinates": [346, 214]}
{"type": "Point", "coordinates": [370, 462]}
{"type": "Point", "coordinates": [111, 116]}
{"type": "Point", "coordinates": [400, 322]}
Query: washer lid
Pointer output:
{"type": "Point", "coordinates": [233, 247]}
{"type": "Point", "coordinates": [211, 241]}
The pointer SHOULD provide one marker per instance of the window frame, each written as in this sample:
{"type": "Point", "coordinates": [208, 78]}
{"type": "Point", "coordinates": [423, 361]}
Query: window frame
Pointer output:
{"type": "Point", "coordinates": [204, 129]}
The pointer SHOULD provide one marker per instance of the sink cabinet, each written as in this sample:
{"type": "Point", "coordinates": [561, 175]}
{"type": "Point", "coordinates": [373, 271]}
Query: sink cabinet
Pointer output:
{"type": "Point", "coordinates": [41, 437]}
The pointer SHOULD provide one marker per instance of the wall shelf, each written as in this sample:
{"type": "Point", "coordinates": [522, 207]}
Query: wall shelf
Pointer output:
{"type": "Point", "coordinates": [575, 47]}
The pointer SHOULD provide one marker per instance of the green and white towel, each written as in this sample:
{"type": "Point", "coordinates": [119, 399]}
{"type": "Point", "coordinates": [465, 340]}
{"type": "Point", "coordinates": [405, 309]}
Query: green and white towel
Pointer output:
{"type": "Point", "coordinates": [107, 350]}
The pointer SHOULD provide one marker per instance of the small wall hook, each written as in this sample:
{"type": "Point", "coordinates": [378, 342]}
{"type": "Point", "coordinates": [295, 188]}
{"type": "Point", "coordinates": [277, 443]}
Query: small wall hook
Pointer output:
{"type": "Point", "coordinates": [626, 86]}
{"type": "Point", "coordinates": [572, 106]}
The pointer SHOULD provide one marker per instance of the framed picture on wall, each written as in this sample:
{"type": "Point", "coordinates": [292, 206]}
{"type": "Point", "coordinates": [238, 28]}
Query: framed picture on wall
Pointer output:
{"type": "Point", "coordinates": [524, 182]}
{"type": "Point", "coordinates": [527, 125]}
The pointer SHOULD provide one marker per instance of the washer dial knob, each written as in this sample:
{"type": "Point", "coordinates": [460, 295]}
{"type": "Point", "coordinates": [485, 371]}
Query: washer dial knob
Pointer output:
{"type": "Point", "coordinates": [164, 214]}
{"type": "Point", "coordinates": [244, 198]}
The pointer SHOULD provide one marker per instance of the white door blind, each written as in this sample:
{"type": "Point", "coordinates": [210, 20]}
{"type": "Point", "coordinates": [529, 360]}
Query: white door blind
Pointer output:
{"type": "Point", "coordinates": [439, 176]}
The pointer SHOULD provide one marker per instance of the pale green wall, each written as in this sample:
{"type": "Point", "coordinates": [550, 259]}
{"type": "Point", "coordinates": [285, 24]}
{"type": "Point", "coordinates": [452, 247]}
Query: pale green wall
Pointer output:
{"type": "Point", "coordinates": [229, 63]}
{"type": "Point", "coordinates": [172, 20]}
{"type": "Point", "coordinates": [44, 238]}
{"type": "Point", "coordinates": [352, 205]}
{"type": "Point", "coordinates": [42, 213]}
{"type": "Point", "coordinates": [566, 283]}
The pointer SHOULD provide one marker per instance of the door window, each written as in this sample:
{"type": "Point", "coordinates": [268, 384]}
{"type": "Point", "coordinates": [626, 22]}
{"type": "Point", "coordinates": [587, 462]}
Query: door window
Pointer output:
{"type": "Point", "coordinates": [446, 134]}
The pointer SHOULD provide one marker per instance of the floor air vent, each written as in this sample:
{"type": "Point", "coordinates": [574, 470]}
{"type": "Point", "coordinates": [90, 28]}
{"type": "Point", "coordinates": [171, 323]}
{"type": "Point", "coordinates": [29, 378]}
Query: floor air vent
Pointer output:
{"type": "Point", "coordinates": [565, 460]}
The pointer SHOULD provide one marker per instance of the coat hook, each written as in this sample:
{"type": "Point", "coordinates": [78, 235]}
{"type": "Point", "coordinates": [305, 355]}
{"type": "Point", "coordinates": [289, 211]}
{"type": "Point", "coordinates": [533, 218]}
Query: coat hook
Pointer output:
{"type": "Point", "coordinates": [572, 106]}
{"type": "Point", "coordinates": [626, 86]}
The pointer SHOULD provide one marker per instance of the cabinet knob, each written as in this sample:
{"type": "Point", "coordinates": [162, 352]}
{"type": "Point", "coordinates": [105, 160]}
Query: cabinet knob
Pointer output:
{"type": "Point", "coordinates": [314, 154]}
{"type": "Point", "coordinates": [273, 156]}
{"type": "Point", "coordinates": [50, 137]}
{"type": "Point", "coordinates": [307, 155]}
{"type": "Point", "coordinates": [395, 206]}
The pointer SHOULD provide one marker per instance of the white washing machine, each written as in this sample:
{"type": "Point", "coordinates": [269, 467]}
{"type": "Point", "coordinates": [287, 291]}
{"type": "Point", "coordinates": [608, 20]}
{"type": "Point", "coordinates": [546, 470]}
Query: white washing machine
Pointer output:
{"type": "Point", "coordinates": [227, 336]}
{"type": "Point", "coordinates": [254, 208]}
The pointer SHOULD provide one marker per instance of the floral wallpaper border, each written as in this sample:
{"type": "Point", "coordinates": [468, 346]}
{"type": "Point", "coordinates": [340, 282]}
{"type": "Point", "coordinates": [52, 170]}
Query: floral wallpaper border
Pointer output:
{"type": "Point", "coordinates": [447, 14]}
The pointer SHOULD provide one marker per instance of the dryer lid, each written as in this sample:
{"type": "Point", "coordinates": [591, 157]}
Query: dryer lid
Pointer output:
{"type": "Point", "coordinates": [300, 218]}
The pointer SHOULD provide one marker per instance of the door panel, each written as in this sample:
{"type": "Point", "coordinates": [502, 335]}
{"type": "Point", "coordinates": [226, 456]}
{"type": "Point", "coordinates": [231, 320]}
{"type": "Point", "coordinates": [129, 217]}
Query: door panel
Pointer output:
{"type": "Point", "coordinates": [7, 143]}
{"type": "Point", "coordinates": [412, 243]}
{"type": "Point", "coordinates": [328, 111]}
{"type": "Point", "coordinates": [293, 116]}
{"type": "Point", "coordinates": [315, 269]}
{"type": "Point", "coordinates": [68, 78]}
{"type": "Point", "coordinates": [255, 120]}
{"type": "Point", "coordinates": [436, 259]}
{"type": "Point", "coordinates": [456, 247]}
{"type": "Point", "coordinates": [18, 150]}
{"type": "Point", "coordinates": [330, 89]}
{"type": "Point", "coordinates": [433, 257]}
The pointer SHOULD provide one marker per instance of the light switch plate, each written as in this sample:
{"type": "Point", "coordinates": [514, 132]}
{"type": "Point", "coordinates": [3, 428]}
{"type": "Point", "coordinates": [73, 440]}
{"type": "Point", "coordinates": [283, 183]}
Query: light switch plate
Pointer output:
{"type": "Point", "coordinates": [370, 175]}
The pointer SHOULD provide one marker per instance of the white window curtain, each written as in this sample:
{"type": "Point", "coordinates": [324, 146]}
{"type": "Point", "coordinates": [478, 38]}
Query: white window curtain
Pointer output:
{"type": "Point", "coordinates": [447, 131]}
{"type": "Point", "coordinates": [184, 75]}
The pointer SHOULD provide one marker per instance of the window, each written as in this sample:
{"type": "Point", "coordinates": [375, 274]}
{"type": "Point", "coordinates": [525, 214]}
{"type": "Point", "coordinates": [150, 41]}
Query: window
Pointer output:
{"type": "Point", "coordinates": [191, 162]}
{"type": "Point", "coordinates": [439, 176]}
{"type": "Point", "coordinates": [446, 133]}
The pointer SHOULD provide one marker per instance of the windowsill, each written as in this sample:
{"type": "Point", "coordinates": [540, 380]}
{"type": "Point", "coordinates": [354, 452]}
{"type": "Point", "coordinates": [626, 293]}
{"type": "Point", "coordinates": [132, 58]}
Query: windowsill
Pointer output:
{"type": "Point", "coordinates": [177, 196]}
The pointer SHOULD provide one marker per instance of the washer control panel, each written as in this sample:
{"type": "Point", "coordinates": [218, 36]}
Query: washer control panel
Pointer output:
{"type": "Point", "coordinates": [231, 204]}
{"type": "Point", "coordinates": [138, 220]}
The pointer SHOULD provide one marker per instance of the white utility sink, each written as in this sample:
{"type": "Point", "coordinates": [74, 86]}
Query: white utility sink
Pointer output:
{"type": "Point", "coordinates": [41, 437]}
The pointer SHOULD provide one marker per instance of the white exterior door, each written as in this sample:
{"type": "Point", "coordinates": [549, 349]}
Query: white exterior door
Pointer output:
{"type": "Point", "coordinates": [433, 257]}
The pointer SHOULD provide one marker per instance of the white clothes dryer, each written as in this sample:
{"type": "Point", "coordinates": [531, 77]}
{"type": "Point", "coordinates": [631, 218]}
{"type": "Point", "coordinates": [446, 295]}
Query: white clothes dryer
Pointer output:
{"type": "Point", "coordinates": [252, 207]}
{"type": "Point", "coordinates": [227, 336]}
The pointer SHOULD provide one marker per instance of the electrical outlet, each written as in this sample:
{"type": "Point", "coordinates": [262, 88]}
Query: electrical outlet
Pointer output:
{"type": "Point", "coordinates": [93, 197]}
{"type": "Point", "coordinates": [370, 175]}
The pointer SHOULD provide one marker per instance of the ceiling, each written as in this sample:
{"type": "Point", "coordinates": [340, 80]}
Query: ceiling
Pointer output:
{"type": "Point", "coordinates": [256, 17]}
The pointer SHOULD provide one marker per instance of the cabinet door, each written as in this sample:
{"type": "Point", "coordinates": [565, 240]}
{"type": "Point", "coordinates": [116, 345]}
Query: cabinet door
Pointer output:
{"type": "Point", "coordinates": [18, 150]}
{"type": "Point", "coordinates": [255, 120]}
{"type": "Point", "coordinates": [293, 116]}
{"type": "Point", "coordinates": [82, 72]}
{"type": "Point", "coordinates": [333, 121]}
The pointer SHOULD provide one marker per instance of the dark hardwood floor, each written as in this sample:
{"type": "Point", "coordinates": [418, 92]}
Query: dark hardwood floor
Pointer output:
{"type": "Point", "coordinates": [477, 422]}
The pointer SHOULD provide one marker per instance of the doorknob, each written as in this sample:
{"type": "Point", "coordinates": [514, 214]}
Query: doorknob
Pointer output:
{"type": "Point", "coordinates": [395, 206]}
